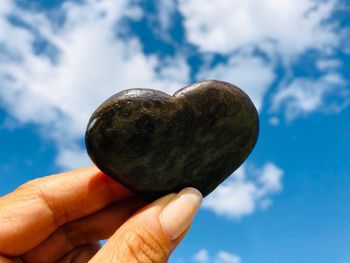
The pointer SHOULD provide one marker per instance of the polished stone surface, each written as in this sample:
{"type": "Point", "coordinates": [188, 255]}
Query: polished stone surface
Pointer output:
{"type": "Point", "coordinates": [154, 143]}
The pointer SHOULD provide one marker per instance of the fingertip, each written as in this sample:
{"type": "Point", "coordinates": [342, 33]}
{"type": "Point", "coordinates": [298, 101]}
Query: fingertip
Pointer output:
{"type": "Point", "coordinates": [179, 213]}
{"type": "Point", "coordinates": [116, 189]}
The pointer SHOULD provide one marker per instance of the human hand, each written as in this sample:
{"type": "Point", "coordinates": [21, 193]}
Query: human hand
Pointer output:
{"type": "Point", "coordinates": [61, 218]}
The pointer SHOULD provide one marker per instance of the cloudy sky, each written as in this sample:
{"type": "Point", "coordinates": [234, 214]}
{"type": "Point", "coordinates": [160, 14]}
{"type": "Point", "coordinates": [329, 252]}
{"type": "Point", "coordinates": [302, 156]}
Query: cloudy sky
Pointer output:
{"type": "Point", "coordinates": [289, 202]}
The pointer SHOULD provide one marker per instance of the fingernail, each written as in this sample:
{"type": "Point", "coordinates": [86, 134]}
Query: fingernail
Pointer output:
{"type": "Point", "coordinates": [180, 212]}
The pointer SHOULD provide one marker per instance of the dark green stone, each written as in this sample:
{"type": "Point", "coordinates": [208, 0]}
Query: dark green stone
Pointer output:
{"type": "Point", "coordinates": [154, 143]}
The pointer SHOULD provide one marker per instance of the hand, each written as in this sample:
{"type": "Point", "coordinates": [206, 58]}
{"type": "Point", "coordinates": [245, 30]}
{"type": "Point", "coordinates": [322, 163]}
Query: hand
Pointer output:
{"type": "Point", "coordinates": [61, 218]}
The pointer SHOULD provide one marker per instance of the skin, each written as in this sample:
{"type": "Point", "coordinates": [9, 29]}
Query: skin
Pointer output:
{"type": "Point", "coordinates": [61, 218]}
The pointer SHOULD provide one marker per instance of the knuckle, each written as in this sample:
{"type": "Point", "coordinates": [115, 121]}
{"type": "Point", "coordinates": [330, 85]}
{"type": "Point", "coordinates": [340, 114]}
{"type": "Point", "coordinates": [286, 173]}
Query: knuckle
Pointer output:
{"type": "Point", "coordinates": [38, 189]}
{"type": "Point", "coordinates": [143, 247]}
{"type": "Point", "coordinates": [25, 192]}
{"type": "Point", "coordinates": [32, 188]}
{"type": "Point", "coordinates": [31, 185]}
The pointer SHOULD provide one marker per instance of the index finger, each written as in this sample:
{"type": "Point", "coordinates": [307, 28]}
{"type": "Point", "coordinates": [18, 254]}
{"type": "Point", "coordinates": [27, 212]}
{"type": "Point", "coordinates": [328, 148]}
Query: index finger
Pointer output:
{"type": "Point", "coordinates": [36, 209]}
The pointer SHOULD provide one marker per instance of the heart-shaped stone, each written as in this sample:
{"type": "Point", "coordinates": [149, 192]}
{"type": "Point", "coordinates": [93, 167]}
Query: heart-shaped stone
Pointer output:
{"type": "Point", "coordinates": [155, 144]}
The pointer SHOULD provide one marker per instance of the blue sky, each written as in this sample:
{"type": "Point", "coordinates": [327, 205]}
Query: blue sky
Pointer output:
{"type": "Point", "coordinates": [289, 202]}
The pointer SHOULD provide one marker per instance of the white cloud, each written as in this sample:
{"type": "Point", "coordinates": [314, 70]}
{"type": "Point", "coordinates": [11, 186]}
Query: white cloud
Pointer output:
{"type": "Point", "coordinates": [226, 257]}
{"type": "Point", "coordinates": [305, 95]}
{"type": "Point", "coordinates": [250, 73]}
{"type": "Point", "coordinates": [245, 191]}
{"type": "Point", "coordinates": [233, 199]}
{"type": "Point", "coordinates": [166, 11]}
{"type": "Point", "coordinates": [202, 256]}
{"type": "Point", "coordinates": [328, 64]}
{"type": "Point", "coordinates": [282, 30]}
{"type": "Point", "coordinates": [92, 64]}
{"type": "Point", "coordinates": [72, 156]}
{"type": "Point", "coordinates": [274, 121]}
{"type": "Point", "coordinates": [270, 179]}
{"type": "Point", "coordinates": [227, 25]}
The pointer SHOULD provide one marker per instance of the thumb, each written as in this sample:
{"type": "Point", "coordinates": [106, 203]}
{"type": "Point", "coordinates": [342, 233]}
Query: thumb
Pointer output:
{"type": "Point", "coordinates": [153, 232]}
